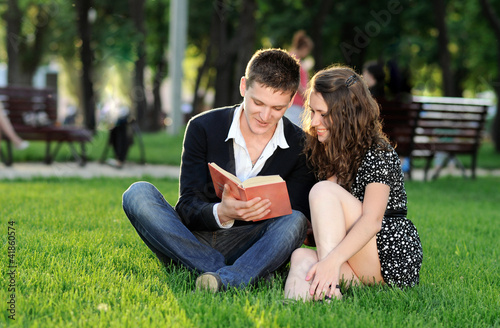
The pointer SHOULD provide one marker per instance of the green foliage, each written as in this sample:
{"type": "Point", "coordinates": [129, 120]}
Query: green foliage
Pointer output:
{"type": "Point", "coordinates": [81, 264]}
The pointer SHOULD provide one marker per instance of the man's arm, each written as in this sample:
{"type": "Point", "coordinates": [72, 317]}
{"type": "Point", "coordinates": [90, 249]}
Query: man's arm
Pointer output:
{"type": "Point", "coordinates": [299, 182]}
{"type": "Point", "coordinates": [197, 195]}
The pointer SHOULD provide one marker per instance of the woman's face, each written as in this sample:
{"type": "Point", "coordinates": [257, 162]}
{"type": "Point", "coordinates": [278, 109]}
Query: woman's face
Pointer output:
{"type": "Point", "coordinates": [319, 109]}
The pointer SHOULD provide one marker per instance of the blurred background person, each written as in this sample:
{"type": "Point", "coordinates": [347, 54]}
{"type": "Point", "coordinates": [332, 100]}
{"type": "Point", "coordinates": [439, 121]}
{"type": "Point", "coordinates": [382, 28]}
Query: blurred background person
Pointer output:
{"type": "Point", "coordinates": [374, 76]}
{"type": "Point", "coordinates": [302, 46]}
{"type": "Point", "coordinates": [115, 115]}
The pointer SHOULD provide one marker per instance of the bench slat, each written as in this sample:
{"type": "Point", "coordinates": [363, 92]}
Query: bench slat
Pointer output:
{"type": "Point", "coordinates": [431, 124]}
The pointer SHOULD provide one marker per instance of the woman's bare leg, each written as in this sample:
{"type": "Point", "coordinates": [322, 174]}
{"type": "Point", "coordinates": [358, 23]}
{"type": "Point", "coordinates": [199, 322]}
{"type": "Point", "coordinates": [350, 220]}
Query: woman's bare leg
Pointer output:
{"type": "Point", "coordinates": [333, 212]}
{"type": "Point", "coordinates": [7, 129]}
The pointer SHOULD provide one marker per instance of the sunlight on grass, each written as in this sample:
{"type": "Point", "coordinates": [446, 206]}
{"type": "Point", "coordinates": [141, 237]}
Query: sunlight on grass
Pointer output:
{"type": "Point", "coordinates": [81, 264]}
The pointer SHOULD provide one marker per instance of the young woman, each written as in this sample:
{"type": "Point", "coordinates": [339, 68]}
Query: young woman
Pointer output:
{"type": "Point", "coordinates": [358, 210]}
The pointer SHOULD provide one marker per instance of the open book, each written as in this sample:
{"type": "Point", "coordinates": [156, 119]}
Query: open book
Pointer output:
{"type": "Point", "coordinates": [271, 187]}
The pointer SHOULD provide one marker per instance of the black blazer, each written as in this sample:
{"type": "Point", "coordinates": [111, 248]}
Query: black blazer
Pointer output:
{"type": "Point", "coordinates": [204, 142]}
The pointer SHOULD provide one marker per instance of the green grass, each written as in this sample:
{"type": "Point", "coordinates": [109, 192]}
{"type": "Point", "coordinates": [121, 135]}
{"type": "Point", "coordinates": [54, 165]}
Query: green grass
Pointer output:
{"type": "Point", "coordinates": [162, 148]}
{"type": "Point", "coordinates": [81, 264]}
{"type": "Point", "coordinates": [487, 157]}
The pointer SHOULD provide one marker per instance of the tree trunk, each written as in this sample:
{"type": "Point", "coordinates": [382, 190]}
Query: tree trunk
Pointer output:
{"type": "Point", "coordinates": [317, 32]}
{"type": "Point", "coordinates": [234, 54]}
{"type": "Point", "coordinates": [138, 91]}
{"type": "Point", "coordinates": [494, 20]}
{"type": "Point", "coordinates": [244, 44]}
{"type": "Point", "coordinates": [198, 99]}
{"type": "Point", "coordinates": [86, 55]}
{"type": "Point", "coordinates": [161, 68]}
{"type": "Point", "coordinates": [160, 65]}
{"type": "Point", "coordinates": [443, 52]}
{"type": "Point", "coordinates": [224, 62]}
{"type": "Point", "coordinates": [33, 55]}
{"type": "Point", "coordinates": [13, 17]}
{"type": "Point", "coordinates": [23, 60]}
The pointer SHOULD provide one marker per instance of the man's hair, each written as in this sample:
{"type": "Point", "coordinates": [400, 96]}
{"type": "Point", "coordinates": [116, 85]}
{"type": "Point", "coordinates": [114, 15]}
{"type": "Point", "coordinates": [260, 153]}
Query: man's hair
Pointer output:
{"type": "Point", "coordinates": [274, 68]}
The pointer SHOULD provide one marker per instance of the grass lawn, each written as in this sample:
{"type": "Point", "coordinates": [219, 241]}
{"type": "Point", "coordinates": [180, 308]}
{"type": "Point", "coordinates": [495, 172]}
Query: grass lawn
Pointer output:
{"type": "Point", "coordinates": [81, 264]}
{"type": "Point", "coordinates": [160, 148]}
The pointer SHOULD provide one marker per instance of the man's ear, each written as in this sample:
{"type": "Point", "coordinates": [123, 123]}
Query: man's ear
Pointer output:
{"type": "Point", "coordinates": [291, 100]}
{"type": "Point", "coordinates": [243, 86]}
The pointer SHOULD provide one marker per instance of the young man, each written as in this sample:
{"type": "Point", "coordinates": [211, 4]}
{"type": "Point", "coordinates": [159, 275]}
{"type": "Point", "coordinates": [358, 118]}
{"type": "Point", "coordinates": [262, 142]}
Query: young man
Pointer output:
{"type": "Point", "coordinates": [217, 237]}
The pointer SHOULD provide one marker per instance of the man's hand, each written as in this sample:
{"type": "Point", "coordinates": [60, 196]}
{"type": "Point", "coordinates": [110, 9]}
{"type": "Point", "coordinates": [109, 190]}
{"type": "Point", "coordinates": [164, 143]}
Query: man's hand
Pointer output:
{"type": "Point", "coordinates": [232, 209]}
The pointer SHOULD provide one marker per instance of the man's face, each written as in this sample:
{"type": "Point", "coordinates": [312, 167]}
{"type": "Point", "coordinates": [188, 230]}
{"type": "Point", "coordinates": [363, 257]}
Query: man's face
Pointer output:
{"type": "Point", "coordinates": [263, 107]}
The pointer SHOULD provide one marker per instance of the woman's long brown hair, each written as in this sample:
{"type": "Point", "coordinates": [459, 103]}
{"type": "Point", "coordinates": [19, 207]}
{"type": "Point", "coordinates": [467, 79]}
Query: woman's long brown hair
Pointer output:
{"type": "Point", "coordinates": [353, 120]}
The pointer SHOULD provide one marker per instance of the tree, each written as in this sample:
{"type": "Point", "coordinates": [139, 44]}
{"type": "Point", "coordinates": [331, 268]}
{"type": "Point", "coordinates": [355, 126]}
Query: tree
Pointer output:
{"type": "Point", "coordinates": [227, 47]}
{"type": "Point", "coordinates": [157, 41]}
{"type": "Point", "coordinates": [494, 21]}
{"type": "Point", "coordinates": [234, 46]}
{"type": "Point", "coordinates": [138, 92]}
{"type": "Point", "coordinates": [443, 51]}
{"type": "Point", "coordinates": [25, 44]}
{"type": "Point", "coordinates": [86, 56]}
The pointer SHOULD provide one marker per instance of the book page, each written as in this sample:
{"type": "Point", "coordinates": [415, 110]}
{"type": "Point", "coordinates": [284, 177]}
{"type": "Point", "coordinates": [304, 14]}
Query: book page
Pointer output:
{"type": "Point", "coordinates": [230, 176]}
{"type": "Point", "coordinates": [261, 180]}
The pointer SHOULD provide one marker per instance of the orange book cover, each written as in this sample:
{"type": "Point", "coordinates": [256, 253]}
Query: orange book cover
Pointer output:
{"type": "Point", "coordinates": [271, 187]}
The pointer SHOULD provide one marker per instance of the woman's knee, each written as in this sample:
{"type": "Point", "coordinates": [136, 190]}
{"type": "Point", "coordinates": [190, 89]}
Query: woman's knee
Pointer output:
{"type": "Point", "coordinates": [303, 258]}
{"type": "Point", "coordinates": [322, 190]}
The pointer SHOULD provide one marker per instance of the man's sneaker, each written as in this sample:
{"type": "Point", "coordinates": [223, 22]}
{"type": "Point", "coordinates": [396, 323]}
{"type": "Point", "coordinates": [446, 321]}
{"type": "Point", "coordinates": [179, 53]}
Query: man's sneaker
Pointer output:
{"type": "Point", "coordinates": [209, 281]}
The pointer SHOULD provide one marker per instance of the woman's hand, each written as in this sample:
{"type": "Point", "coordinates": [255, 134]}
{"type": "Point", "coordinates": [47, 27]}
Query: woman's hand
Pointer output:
{"type": "Point", "coordinates": [325, 276]}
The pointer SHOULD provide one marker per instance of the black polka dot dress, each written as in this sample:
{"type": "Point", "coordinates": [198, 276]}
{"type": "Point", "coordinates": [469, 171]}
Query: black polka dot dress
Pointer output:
{"type": "Point", "coordinates": [398, 243]}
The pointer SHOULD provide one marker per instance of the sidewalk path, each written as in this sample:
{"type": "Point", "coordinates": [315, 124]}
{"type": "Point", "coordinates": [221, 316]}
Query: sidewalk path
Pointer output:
{"type": "Point", "coordinates": [91, 170]}
{"type": "Point", "coordinates": [95, 169]}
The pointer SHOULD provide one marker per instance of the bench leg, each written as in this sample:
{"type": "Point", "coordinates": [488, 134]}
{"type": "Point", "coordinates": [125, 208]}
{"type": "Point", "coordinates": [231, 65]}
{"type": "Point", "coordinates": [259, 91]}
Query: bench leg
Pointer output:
{"type": "Point", "coordinates": [7, 158]}
{"type": "Point", "coordinates": [441, 166]}
{"type": "Point", "coordinates": [104, 153]}
{"type": "Point", "coordinates": [473, 165]}
{"type": "Point", "coordinates": [83, 154]}
{"type": "Point", "coordinates": [81, 157]}
{"type": "Point", "coordinates": [460, 165]}
{"type": "Point", "coordinates": [428, 165]}
{"type": "Point", "coordinates": [50, 156]}
{"type": "Point", "coordinates": [137, 132]}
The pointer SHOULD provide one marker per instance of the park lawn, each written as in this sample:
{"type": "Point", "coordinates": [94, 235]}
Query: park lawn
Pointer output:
{"type": "Point", "coordinates": [163, 148]}
{"type": "Point", "coordinates": [160, 148]}
{"type": "Point", "coordinates": [81, 264]}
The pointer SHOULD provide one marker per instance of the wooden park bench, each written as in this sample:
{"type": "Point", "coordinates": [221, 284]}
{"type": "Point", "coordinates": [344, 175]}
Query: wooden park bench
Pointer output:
{"type": "Point", "coordinates": [33, 114]}
{"type": "Point", "coordinates": [431, 125]}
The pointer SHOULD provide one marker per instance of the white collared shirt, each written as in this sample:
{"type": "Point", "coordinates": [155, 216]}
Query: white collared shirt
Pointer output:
{"type": "Point", "coordinates": [243, 162]}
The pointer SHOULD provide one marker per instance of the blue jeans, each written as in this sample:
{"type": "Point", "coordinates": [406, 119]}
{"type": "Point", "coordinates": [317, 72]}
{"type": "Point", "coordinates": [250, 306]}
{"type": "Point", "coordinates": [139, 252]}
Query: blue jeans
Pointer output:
{"type": "Point", "coordinates": [240, 255]}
